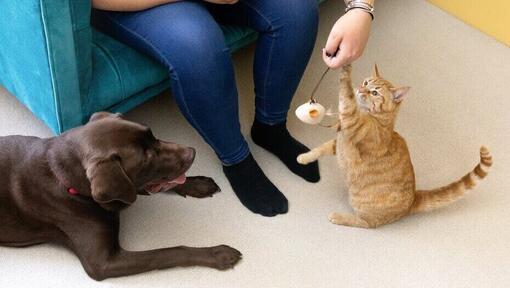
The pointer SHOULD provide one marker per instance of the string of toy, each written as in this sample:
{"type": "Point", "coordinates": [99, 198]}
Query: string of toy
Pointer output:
{"type": "Point", "coordinates": [312, 112]}
{"type": "Point", "coordinates": [312, 96]}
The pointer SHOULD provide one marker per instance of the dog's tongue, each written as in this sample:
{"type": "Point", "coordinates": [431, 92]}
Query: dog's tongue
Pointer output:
{"type": "Point", "coordinates": [164, 184]}
{"type": "Point", "coordinates": [179, 180]}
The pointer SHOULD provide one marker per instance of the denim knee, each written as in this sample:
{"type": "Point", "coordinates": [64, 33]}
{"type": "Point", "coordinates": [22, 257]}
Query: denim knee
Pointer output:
{"type": "Point", "coordinates": [292, 16]}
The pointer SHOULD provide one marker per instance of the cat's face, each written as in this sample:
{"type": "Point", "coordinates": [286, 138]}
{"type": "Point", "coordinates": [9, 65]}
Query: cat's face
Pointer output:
{"type": "Point", "coordinates": [376, 95]}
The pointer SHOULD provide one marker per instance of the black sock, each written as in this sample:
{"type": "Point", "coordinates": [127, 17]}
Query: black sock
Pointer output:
{"type": "Point", "coordinates": [255, 191]}
{"type": "Point", "coordinates": [277, 140]}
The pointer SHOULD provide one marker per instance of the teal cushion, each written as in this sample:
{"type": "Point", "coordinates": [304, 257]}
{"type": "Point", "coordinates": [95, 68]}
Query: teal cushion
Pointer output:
{"type": "Point", "coordinates": [79, 11]}
{"type": "Point", "coordinates": [120, 72]}
{"type": "Point", "coordinates": [237, 37]}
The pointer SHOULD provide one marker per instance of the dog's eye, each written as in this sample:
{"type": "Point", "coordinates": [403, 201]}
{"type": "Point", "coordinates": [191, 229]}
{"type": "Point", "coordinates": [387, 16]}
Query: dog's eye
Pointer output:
{"type": "Point", "coordinates": [375, 93]}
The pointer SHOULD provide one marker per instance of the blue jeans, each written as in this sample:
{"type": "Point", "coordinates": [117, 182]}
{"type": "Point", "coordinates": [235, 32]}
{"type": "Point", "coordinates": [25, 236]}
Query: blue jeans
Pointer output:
{"type": "Point", "coordinates": [185, 36]}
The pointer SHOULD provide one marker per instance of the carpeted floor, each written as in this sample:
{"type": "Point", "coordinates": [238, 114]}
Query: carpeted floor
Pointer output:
{"type": "Point", "coordinates": [459, 101]}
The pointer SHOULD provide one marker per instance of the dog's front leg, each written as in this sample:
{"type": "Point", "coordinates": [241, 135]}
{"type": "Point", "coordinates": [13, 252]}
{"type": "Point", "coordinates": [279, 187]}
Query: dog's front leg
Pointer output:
{"type": "Point", "coordinates": [97, 247]}
{"type": "Point", "coordinates": [123, 263]}
{"type": "Point", "coordinates": [198, 187]}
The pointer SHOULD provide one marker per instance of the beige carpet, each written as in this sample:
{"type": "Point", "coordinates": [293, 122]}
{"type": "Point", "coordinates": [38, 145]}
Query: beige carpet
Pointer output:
{"type": "Point", "coordinates": [459, 101]}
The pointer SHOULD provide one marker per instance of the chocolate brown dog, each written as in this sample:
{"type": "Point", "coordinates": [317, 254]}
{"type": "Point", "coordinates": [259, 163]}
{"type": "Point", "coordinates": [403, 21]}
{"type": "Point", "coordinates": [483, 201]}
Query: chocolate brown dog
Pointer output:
{"type": "Point", "coordinates": [69, 189]}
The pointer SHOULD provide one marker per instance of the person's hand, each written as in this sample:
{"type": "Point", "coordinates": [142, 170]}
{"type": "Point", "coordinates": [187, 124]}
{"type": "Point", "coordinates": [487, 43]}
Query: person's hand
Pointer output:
{"type": "Point", "coordinates": [347, 39]}
{"type": "Point", "coordinates": [222, 1]}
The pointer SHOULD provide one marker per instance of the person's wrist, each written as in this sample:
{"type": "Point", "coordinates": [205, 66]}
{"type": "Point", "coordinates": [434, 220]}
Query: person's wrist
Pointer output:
{"type": "Point", "coordinates": [360, 13]}
{"type": "Point", "coordinates": [369, 2]}
{"type": "Point", "coordinates": [363, 5]}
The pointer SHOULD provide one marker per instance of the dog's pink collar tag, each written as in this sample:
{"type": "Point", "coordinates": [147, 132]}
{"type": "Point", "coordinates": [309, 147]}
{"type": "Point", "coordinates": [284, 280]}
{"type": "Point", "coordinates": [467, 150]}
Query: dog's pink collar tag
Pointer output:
{"type": "Point", "coordinates": [72, 191]}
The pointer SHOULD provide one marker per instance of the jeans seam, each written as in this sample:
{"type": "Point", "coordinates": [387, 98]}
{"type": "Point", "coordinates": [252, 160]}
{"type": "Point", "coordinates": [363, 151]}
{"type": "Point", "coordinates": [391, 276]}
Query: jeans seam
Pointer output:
{"type": "Point", "coordinates": [269, 61]}
{"type": "Point", "coordinates": [264, 102]}
{"type": "Point", "coordinates": [238, 158]}
{"type": "Point", "coordinates": [149, 43]}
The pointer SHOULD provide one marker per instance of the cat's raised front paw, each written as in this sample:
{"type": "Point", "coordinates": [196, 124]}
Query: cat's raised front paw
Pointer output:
{"type": "Point", "coordinates": [304, 158]}
{"type": "Point", "coordinates": [345, 71]}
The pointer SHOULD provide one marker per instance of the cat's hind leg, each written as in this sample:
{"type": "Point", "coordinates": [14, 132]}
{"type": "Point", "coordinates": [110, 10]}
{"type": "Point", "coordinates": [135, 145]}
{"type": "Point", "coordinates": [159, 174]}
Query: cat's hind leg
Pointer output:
{"type": "Point", "coordinates": [348, 220]}
{"type": "Point", "coordinates": [327, 148]}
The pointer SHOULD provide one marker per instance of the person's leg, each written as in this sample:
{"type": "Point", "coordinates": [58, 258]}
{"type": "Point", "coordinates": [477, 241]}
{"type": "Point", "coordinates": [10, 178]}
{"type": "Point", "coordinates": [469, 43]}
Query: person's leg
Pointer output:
{"type": "Point", "coordinates": [287, 30]}
{"type": "Point", "coordinates": [187, 40]}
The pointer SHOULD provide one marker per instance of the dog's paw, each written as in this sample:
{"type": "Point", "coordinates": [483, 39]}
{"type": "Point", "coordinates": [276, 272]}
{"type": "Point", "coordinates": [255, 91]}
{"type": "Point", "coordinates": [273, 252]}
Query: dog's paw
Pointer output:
{"type": "Point", "coordinates": [198, 187]}
{"type": "Point", "coordinates": [224, 257]}
{"type": "Point", "coordinates": [303, 159]}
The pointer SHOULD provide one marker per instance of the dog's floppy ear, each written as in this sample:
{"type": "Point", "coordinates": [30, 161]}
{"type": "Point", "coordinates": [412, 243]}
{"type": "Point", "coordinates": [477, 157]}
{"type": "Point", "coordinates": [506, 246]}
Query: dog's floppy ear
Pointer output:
{"type": "Point", "coordinates": [101, 115]}
{"type": "Point", "coordinates": [109, 182]}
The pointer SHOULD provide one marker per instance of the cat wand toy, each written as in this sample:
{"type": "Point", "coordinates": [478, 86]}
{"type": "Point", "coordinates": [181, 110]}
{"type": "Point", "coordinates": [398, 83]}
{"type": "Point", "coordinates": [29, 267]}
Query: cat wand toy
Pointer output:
{"type": "Point", "coordinates": [312, 112]}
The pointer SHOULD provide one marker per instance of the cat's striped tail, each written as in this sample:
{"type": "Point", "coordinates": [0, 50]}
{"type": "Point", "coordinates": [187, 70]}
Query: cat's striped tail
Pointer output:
{"type": "Point", "coordinates": [433, 199]}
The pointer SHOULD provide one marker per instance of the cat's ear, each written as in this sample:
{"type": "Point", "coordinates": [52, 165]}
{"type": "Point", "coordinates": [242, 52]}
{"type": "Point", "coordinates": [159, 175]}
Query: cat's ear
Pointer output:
{"type": "Point", "coordinates": [376, 74]}
{"type": "Point", "coordinates": [399, 93]}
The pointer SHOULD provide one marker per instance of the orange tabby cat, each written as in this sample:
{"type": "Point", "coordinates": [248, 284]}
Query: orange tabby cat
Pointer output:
{"type": "Point", "coordinates": [379, 171]}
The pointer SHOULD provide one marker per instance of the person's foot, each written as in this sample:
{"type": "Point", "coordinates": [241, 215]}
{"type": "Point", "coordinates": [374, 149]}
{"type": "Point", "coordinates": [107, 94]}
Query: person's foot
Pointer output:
{"type": "Point", "coordinates": [277, 140]}
{"type": "Point", "coordinates": [253, 188]}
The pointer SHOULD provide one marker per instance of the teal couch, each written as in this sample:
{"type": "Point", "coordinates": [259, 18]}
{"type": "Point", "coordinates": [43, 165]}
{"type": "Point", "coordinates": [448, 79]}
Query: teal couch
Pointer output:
{"type": "Point", "coordinates": [64, 70]}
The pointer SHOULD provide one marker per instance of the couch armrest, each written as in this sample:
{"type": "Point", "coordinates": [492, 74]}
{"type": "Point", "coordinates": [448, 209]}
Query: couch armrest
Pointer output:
{"type": "Point", "coordinates": [39, 60]}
